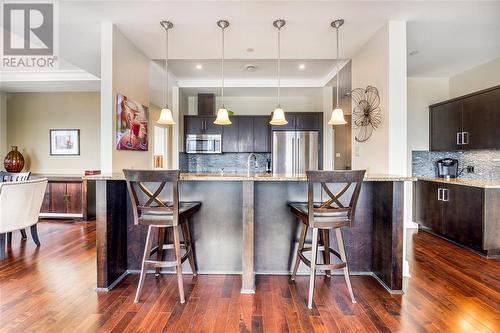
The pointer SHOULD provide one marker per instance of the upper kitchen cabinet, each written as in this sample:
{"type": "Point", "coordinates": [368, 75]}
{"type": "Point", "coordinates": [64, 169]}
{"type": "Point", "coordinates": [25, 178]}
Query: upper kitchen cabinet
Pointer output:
{"type": "Point", "coordinates": [481, 120]}
{"type": "Point", "coordinates": [261, 134]}
{"type": "Point", "coordinates": [201, 125]}
{"type": "Point", "coordinates": [467, 122]}
{"type": "Point", "coordinates": [230, 136]}
{"type": "Point", "coordinates": [445, 126]}
{"type": "Point", "coordinates": [206, 104]}
{"type": "Point", "coordinates": [301, 121]}
{"type": "Point", "coordinates": [246, 134]}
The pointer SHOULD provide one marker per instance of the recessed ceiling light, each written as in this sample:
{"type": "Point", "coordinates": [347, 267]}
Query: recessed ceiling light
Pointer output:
{"type": "Point", "coordinates": [250, 67]}
{"type": "Point", "coordinates": [302, 66]}
{"type": "Point", "coordinates": [199, 66]}
{"type": "Point", "coordinates": [250, 49]}
{"type": "Point", "coordinates": [414, 52]}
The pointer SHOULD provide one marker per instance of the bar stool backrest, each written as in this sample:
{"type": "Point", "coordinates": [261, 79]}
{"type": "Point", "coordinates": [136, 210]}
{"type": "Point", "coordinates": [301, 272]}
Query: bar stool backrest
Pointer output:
{"type": "Point", "coordinates": [137, 179]}
{"type": "Point", "coordinates": [333, 204]}
{"type": "Point", "coordinates": [14, 176]}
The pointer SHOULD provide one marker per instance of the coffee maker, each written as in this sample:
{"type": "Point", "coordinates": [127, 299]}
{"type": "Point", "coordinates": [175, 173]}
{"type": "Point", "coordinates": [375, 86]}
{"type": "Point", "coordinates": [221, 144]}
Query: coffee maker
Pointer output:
{"type": "Point", "coordinates": [447, 167]}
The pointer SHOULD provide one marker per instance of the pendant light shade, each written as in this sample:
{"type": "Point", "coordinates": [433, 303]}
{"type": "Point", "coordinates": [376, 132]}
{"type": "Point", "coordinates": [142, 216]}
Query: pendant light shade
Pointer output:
{"type": "Point", "coordinates": [222, 117]}
{"type": "Point", "coordinates": [166, 117]}
{"type": "Point", "coordinates": [337, 113]}
{"type": "Point", "coordinates": [279, 118]}
{"type": "Point", "coordinates": [337, 117]}
{"type": "Point", "coordinates": [222, 114]}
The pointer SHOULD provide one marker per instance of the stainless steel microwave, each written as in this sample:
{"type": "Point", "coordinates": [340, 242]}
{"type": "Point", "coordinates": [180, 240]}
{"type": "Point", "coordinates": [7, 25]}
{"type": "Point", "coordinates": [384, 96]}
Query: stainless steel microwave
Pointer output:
{"type": "Point", "coordinates": [204, 143]}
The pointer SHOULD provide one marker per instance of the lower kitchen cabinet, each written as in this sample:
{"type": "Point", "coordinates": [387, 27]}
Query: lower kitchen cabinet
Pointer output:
{"type": "Point", "coordinates": [464, 214]}
{"type": "Point", "coordinates": [69, 198]}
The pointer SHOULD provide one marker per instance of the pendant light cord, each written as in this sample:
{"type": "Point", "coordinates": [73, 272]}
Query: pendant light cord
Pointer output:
{"type": "Point", "coordinates": [279, 66]}
{"type": "Point", "coordinates": [337, 65]}
{"type": "Point", "coordinates": [166, 69]}
{"type": "Point", "coordinates": [223, 68]}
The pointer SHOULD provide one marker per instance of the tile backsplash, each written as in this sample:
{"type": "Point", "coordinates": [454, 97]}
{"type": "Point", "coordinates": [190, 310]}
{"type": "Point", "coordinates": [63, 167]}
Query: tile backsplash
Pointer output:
{"type": "Point", "coordinates": [230, 162]}
{"type": "Point", "coordinates": [486, 163]}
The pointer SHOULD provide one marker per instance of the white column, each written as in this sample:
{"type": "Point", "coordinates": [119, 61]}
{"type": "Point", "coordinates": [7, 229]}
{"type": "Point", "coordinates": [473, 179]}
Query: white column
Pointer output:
{"type": "Point", "coordinates": [327, 129]}
{"type": "Point", "coordinates": [177, 134]}
{"type": "Point", "coordinates": [107, 97]}
{"type": "Point", "coordinates": [397, 118]}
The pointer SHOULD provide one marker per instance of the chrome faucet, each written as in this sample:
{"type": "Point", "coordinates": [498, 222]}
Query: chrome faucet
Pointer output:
{"type": "Point", "coordinates": [256, 164]}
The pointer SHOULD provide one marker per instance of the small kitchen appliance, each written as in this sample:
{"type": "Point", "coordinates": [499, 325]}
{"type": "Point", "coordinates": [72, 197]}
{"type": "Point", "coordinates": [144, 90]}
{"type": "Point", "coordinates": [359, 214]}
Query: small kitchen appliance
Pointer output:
{"type": "Point", "coordinates": [447, 167]}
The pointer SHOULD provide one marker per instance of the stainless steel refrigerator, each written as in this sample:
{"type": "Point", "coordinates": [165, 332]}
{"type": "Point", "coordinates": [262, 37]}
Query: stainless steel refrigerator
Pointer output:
{"type": "Point", "coordinates": [295, 151]}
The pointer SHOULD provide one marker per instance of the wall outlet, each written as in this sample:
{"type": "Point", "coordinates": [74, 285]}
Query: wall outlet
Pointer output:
{"type": "Point", "coordinates": [337, 154]}
{"type": "Point", "coordinates": [470, 169]}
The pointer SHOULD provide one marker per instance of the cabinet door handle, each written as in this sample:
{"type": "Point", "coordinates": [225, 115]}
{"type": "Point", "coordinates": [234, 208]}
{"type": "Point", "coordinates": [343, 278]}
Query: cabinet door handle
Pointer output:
{"type": "Point", "coordinates": [446, 196]}
{"type": "Point", "coordinates": [465, 138]}
{"type": "Point", "coordinates": [439, 194]}
{"type": "Point", "coordinates": [459, 138]}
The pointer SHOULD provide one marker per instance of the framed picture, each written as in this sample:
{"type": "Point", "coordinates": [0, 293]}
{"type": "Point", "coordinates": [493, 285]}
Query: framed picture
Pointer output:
{"type": "Point", "coordinates": [64, 142]}
{"type": "Point", "coordinates": [132, 124]}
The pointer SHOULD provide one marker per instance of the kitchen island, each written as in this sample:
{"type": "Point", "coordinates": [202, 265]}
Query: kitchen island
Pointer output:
{"type": "Point", "coordinates": [245, 227]}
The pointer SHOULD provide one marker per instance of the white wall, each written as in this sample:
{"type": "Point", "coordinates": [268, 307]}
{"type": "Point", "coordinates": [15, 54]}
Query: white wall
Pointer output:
{"type": "Point", "coordinates": [30, 116]}
{"type": "Point", "coordinates": [423, 92]}
{"type": "Point", "coordinates": [381, 63]}
{"type": "Point", "coordinates": [263, 105]}
{"type": "Point", "coordinates": [480, 77]}
{"type": "Point", "coordinates": [125, 70]}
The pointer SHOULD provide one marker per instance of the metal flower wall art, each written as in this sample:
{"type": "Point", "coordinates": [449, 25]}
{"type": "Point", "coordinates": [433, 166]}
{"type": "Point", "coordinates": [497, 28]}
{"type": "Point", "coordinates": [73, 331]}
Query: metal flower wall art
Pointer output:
{"type": "Point", "coordinates": [366, 113]}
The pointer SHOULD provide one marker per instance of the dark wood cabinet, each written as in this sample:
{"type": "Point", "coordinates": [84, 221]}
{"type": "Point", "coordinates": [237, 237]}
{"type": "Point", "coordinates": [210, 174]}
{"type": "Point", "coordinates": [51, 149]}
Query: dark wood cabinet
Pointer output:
{"type": "Point", "coordinates": [428, 208]}
{"type": "Point", "coordinates": [245, 134]}
{"type": "Point", "coordinates": [201, 125]}
{"type": "Point", "coordinates": [301, 121]}
{"type": "Point", "coordinates": [445, 126]}
{"type": "Point", "coordinates": [481, 120]}
{"type": "Point", "coordinates": [69, 197]}
{"type": "Point", "coordinates": [307, 122]}
{"type": "Point", "coordinates": [261, 134]}
{"type": "Point", "coordinates": [206, 104]}
{"type": "Point", "coordinates": [467, 122]}
{"type": "Point", "coordinates": [464, 214]}
{"type": "Point", "coordinates": [230, 136]}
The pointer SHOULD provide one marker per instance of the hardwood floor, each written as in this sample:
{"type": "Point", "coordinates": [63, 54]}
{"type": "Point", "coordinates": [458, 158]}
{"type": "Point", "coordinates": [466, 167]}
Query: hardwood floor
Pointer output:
{"type": "Point", "coordinates": [51, 289]}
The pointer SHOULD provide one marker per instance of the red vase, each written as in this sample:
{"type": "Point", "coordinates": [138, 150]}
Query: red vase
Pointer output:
{"type": "Point", "coordinates": [14, 161]}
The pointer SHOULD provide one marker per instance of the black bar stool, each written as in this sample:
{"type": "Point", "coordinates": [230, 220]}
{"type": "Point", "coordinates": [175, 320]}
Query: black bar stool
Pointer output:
{"type": "Point", "coordinates": [155, 213]}
{"type": "Point", "coordinates": [323, 216]}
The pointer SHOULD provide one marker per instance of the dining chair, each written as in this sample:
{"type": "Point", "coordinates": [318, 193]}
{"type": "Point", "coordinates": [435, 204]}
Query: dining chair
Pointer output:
{"type": "Point", "coordinates": [20, 204]}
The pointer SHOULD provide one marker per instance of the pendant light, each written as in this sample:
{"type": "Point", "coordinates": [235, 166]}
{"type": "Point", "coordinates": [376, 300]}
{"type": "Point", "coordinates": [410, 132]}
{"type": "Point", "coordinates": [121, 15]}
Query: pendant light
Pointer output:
{"type": "Point", "coordinates": [222, 114]}
{"type": "Point", "coordinates": [337, 113]}
{"type": "Point", "coordinates": [166, 114]}
{"type": "Point", "coordinates": [278, 114]}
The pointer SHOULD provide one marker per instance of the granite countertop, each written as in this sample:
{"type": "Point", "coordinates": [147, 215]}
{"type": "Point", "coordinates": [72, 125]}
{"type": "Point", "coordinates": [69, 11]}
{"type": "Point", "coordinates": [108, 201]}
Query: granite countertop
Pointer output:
{"type": "Point", "coordinates": [227, 176]}
{"type": "Point", "coordinates": [483, 183]}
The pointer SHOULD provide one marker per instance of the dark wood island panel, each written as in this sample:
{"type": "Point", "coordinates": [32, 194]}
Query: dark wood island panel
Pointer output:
{"type": "Point", "coordinates": [223, 245]}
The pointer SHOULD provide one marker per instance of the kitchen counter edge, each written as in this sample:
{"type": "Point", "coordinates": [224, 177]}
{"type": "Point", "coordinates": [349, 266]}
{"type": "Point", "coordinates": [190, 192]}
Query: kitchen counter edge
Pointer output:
{"type": "Point", "coordinates": [253, 177]}
{"type": "Point", "coordinates": [482, 183]}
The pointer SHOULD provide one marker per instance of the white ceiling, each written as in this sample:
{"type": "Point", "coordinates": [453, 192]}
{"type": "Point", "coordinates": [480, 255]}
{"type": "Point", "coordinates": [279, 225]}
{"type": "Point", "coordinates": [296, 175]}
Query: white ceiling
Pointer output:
{"type": "Point", "coordinates": [234, 69]}
{"type": "Point", "coordinates": [315, 93]}
{"type": "Point", "coordinates": [450, 36]}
